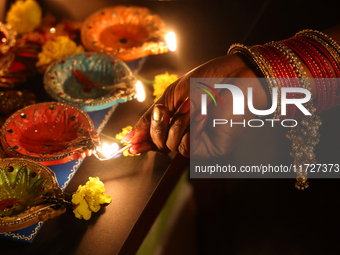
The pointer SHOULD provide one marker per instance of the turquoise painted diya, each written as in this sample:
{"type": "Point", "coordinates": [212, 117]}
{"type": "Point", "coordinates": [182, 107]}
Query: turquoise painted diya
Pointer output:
{"type": "Point", "coordinates": [91, 81]}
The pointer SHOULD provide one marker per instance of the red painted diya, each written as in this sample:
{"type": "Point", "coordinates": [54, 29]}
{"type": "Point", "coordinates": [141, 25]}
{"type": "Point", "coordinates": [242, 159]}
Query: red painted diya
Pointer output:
{"type": "Point", "coordinates": [51, 133]}
{"type": "Point", "coordinates": [126, 32]}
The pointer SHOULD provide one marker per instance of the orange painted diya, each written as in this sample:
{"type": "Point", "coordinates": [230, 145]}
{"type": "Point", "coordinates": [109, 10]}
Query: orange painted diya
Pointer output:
{"type": "Point", "coordinates": [125, 32]}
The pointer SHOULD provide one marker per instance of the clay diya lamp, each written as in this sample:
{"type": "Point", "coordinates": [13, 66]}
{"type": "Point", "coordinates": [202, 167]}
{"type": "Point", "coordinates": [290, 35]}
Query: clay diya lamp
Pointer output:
{"type": "Point", "coordinates": [130, 33]}
{"type": "Point", "coordinates": [16, 62]}
{"type": "Point", "coordinates": [50, 133]}
{"type": "Point", "coordinates": [29, 192]}
{"type": "Point", "coordinates": [90, 80]}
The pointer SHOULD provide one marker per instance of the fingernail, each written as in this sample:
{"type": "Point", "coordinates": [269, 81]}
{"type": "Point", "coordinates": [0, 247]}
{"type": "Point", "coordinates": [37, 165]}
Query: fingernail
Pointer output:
{"type": "Point", "coordinates": [199, 117]}
{"type": "Point", "coordinates": [157, 114]}
{"type": "Point", "coordinates": [128, 136]}
{"type": "Point", "coordinates": [133, 149]}
{"type": "Point", "coordinates": [185, 107]}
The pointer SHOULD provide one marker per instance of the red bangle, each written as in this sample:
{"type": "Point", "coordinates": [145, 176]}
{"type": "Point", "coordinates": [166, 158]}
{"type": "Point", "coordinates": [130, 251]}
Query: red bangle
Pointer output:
{"type": "Point", "coordinates": [324, 67]}
{"type": "Point", "coordinates": [289, 73]}
{"type": "Point", "coordinates": [281, 72]}
{"type": "Point", "coordinates": [312, 39]}
{"type": "Point", "coordinates": [332, 47]}
{"type": "Point", "coordinates": [315, 72]}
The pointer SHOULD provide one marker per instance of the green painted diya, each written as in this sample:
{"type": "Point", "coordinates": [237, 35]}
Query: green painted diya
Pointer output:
{"type": "Point", "coordinates": [29, 192]}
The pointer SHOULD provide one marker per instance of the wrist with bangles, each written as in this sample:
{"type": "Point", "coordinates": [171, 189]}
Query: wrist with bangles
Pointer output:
{"type": "Point", "coordinates": [285, 64]}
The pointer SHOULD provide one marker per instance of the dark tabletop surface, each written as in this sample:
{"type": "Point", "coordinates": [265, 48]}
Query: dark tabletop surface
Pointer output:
{"type": "Point", "coordinates": [260, 216]}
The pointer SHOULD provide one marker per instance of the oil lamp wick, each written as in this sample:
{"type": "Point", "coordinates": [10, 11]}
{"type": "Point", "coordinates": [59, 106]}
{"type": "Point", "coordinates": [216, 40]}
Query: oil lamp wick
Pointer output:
{"type": "Point", "coordinates": [112, 155]}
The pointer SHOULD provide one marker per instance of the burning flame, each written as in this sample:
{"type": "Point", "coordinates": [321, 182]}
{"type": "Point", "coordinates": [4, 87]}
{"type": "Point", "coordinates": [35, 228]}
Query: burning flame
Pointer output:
{"type": "Point", "coordinates": [171, 41]}
{"type": "Point", "coordinates": [108, 150]}
{"type": "Point", "coordinates": [140, 92]}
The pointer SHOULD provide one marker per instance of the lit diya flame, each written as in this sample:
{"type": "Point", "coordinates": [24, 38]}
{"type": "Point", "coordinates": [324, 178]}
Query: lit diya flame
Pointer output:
{"type": "Point", "coordinates": [108, 150]}
{"type": "Point", "coordinates": [90, 142]}
{"type": "Point", "coordinates": [171, 41]}
{"type": "Point", "coordinates": [140, 92]}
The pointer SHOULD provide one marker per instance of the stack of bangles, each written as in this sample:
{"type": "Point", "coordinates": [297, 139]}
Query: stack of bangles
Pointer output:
{"type": "Point", "coordinates": [279, 62]}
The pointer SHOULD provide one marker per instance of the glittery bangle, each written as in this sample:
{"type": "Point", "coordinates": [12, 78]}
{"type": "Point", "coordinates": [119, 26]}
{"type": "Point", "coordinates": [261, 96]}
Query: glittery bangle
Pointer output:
{"type": "Point", "coordinates": [276, 60]}
{"type": "Point", "coordinates": [314, 70]}
{"type": "Point", "coordinates": [263, 66]}
{"type": "Point", "coordinates": [333, 57]}
{"type": "Point", "coordinates": [289, 73]}
{"type": "Point", "coordinates": [322, 36]}
{"type": "Point", "coordinates": [327, 72]}
{"type": "Point", "coordinates": [328, 41]}
{"type": "Point", "coordinates": [279, 73]}
{"type": "Point", "coordinates": [286, 73]}
{"type": "Point", "coordinates": [303, 140]}
{"type": "Point", "coordinates": [294, 63]}
{"type": "Point", "coordinates": [326, 50]}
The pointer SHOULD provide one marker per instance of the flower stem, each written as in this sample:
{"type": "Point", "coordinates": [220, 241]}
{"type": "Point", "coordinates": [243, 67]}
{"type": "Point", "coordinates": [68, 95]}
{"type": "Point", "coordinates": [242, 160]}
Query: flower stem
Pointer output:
{"type": "Point", "coordinates": [111, 138]}
{"type": "Point", "coordinates": [145, 81]}
{"type": "Point", "coordinates": [67, 194]}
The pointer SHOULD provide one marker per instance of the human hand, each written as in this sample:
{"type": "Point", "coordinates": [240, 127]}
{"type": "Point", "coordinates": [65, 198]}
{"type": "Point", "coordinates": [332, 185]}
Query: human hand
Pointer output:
{"type": "Point", "coordinates": [165, 125]}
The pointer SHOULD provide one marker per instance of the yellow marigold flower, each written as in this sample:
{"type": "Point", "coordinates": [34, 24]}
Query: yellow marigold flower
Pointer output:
{"type": "Point", "coordinates": [125, 130]}
{"type": "Point", "coordinates": [57, 48]}
{"type": "Point", "coordinates": [89, 197]}
{"type": "Point", "coordinates": [120, 136]}
{"type": "Point", "coordinates": [24, 16]}
{"type": "Point", "coordinates": [162, 81]}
